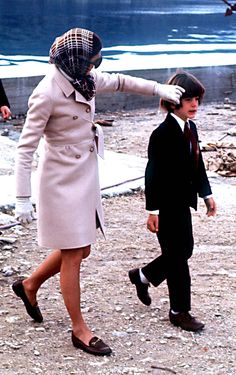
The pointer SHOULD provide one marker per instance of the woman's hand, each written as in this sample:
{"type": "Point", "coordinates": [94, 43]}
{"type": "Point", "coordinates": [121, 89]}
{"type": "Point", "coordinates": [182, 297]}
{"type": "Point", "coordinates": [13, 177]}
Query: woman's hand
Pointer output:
{"type": "Point", "coordinates": [171, 93]}
{"type": "Point", "coordinates": [24, 211]}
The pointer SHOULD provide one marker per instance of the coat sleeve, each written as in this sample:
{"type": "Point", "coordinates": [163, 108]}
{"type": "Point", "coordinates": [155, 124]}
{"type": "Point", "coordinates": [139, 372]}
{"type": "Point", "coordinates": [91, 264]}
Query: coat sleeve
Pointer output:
{"type": "Point", "coordinates": [40, 107]}
{"type": "Point", "coordinates": [112, 82]}
{"type": "Point", "coordinates": [153, 173]}
{"type": "Point", "coordinates": [203, 185]}
{"type": "Point", "coordinates": [3, 96]}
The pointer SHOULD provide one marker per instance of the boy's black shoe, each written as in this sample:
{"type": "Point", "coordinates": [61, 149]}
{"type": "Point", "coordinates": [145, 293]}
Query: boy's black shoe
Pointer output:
{"type": "Point", "coordinates": [185, 321]}
{"type": "Point", "coordinates": [141, 288]}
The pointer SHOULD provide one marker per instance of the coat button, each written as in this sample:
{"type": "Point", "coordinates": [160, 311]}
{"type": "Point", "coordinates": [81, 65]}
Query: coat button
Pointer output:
{"type": "Point", "coordinates": [88, 110]}
{"type": "Point", "coordinates": [91, 149]}
{"type": "Point", "coordinates": [77, 156]}
{"type": "Point", "coordinates": [75, 117]}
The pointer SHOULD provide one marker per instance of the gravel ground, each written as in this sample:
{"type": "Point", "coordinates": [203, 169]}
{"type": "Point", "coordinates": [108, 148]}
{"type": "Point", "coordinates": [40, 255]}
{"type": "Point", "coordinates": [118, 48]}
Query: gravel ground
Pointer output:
{"type": "Point", "coordinates": [142, 339]}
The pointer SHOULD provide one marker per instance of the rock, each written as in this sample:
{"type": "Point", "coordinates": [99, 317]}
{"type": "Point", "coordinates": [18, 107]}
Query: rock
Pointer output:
{"type": "Point", "coordinates": [4, 312]}
{"type": "Point", "coordinates": [119, 333]}
{"type": "Point", "coordinates": [6, 219]}
{"type": "Point", "coordinates": [8, 239]}
{"type": "Point", "coordinates": [8, 271]}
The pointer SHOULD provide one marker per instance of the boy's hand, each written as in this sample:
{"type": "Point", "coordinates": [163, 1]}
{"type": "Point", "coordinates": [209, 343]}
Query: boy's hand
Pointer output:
{"type": "Point", "coordinates": [152, 223]}
{"type": "Point", "coordinates": [211, 206]}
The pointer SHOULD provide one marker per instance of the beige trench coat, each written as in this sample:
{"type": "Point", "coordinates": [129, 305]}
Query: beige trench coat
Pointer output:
{"type": "Point", "coordinates": [69, 199]}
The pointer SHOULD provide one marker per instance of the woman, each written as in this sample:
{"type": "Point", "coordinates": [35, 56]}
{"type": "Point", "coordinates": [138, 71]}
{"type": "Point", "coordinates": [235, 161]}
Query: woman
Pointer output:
{"type": "Point", "coordinates": [4, 103]}
{"type": "Point", "coordinates": [61, 109]}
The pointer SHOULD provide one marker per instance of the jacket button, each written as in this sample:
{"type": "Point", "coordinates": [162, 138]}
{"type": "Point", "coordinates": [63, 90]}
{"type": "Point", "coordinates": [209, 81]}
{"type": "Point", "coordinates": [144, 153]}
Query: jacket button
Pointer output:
{"type": "Point", "coordinates": [77, 156]}
{"type": "Point", "coordinates": [87, 110]}
{"type": "Point", "coordinates": [75, 117]}
{"type": "Point", "coordinates": [91, 149]}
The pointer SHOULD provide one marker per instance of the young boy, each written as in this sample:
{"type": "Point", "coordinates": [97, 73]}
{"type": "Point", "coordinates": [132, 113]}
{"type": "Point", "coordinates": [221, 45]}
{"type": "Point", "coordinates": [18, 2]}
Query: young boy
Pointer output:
{"type": "Point", "coordinates": [175, 175]}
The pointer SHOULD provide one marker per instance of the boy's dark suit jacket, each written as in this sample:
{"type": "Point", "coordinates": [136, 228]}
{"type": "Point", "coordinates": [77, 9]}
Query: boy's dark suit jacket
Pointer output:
{"type": "Point", "coordinates": [171, 178]}
{"type": "Point", "coordinates": [3, 97]}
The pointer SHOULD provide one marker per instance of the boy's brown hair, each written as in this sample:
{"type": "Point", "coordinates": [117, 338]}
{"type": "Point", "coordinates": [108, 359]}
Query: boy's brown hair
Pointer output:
{"type": "Point", "coordinates": [193, 88]}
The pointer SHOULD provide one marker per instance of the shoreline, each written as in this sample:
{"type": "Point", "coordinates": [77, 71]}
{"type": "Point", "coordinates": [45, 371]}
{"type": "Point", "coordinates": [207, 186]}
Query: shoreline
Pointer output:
{"type": "Point", "coordinates": [219, 81]}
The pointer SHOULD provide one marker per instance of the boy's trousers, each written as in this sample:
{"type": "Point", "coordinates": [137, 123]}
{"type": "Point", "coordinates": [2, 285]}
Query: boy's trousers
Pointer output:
{"type": "Point", "coordinates": [176, 240]}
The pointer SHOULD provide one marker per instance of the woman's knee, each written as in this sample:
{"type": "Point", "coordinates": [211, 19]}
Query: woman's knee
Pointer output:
{"type": "Point", "coordinates": [86, 251]}
{"type": "Point", "coordinates": [75, 256]}
{"type": "Point", "coordinates": [71, 257]}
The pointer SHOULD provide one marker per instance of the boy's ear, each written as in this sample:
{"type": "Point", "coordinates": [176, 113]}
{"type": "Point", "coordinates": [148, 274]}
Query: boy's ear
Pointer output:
{"type": "Point", "coordinates": [173, 106]}
{"type": "Point", "coordinates": [177, 106]}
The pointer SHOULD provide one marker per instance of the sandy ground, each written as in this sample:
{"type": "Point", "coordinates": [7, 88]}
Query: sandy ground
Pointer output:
{"type": "Point", "coordinates": [142, 339]}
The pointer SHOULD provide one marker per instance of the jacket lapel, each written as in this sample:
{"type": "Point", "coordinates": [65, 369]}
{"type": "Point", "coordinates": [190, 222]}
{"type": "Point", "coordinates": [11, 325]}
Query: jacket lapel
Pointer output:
{"type": "Point", "coordinates": [67, 87]}
{"type": "Point", "coordinates": [173, 126]}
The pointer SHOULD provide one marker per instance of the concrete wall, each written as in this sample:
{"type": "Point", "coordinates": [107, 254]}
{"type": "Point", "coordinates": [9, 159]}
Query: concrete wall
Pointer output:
{"type": "Point", "coordinates": [220, 82]}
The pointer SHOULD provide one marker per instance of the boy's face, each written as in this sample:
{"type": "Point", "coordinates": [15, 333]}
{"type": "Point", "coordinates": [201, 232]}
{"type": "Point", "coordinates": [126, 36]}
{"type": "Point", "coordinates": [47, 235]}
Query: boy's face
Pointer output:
{"type": "Point", "coordinates": [188, 109]}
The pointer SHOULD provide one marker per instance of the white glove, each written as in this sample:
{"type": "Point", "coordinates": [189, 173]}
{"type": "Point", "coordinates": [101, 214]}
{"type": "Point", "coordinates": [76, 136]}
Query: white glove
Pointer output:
{"type": "Point", "coordinates": [171, 93]}
{"type": "Point", "coordinates": [24, 211]}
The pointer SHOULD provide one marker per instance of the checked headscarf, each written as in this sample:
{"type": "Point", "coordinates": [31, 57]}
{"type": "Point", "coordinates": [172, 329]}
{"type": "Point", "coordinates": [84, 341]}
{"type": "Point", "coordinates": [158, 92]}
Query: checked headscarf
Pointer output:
{"type": "Point", "coordinates": [71, 52]}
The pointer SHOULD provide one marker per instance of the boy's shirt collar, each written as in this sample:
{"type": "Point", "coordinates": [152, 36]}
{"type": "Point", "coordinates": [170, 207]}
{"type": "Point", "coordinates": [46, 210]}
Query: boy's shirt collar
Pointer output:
{"type": "Point", "coordinates": [179, 120]}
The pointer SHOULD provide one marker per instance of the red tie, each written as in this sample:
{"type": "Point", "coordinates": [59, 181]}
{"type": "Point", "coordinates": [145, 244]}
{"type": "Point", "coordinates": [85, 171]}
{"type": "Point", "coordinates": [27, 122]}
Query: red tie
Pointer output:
{"type": "Point", "coordinates": [194, 145]}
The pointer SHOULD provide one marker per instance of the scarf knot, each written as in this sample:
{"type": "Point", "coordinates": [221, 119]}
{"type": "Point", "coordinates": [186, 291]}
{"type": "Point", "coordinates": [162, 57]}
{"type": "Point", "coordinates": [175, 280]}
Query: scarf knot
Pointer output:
{"type": "Point", "coordinates": [85, 86]}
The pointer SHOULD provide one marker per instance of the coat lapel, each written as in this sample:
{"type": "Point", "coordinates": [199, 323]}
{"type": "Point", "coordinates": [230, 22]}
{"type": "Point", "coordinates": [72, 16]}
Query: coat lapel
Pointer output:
{"type": "Point", "coordinates": [67, 87]}
{"type": "Point", "coordinates": [173, 126]}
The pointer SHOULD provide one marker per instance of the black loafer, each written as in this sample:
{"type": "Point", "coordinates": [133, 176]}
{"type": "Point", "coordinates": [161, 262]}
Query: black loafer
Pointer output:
{"type": "Point", "coordinates": [141, 288]}
{"type": "Point", "coordinates": [96, 346]}
{"type": "Point", "coordinates": [32, 310]}
{"type": "Point", "coordinates": [185, 321]}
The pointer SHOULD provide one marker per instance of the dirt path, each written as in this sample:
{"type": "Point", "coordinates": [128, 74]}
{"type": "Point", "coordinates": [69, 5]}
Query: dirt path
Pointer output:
{"type": "Point", "coordinates": [142, 338]}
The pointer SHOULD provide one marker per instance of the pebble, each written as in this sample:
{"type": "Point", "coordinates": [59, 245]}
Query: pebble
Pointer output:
{"type": "Point", "coordinates": [13, 345]}
{"type": "Point", "coordinates": [6, 219]}
{"type": "Point", "coordinates": [37, 370]}
{"type": "Point", "coordinates": [8, 271]}
{"type": "Point", "coordinates": [119, 333]}
{"type": "Point", "coordinates": [169, 336]}
{"type": "Point", "coordinates": [163, 342]}
{"type": "Point", "coordinates": [4, 312]}
{"type": "Point", "coordinates": [132, 330]}
{"type": "Point", "coordinates": [129, 343]}
{"type": "Point", "coordinates": [8, 239]}
{"type": "Point", "coordinates": [40, 329]}
{"type": "Point", "coordinates": [87, 309]}
{"type": "Point", "coordinates": [7, 247]}
{"type": "Point", "coordinates": [68, 358]}
{"type": "Point", "coordinates": [118, 308]}
{"type": "Point", "coordinates": [154, 320]}
{"type": "Point", "coordinates": [12, 319]}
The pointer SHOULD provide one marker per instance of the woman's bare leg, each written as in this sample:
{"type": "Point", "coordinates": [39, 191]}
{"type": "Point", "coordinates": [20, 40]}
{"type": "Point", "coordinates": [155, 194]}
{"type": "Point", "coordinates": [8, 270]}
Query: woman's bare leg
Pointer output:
{"type": "Point", "coordinates": [48, 268]}
{"type": "Point", "coordinates": [70, 287]}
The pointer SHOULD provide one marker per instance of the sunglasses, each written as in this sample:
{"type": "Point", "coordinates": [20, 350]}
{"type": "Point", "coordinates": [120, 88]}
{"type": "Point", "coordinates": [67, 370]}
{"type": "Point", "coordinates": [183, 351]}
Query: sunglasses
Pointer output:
{"type": "Point", "coordinates": [96, 63]}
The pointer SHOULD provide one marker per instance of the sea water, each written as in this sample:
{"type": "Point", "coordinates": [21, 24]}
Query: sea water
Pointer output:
{"type": "Point", "coordinates": [136, 34]}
